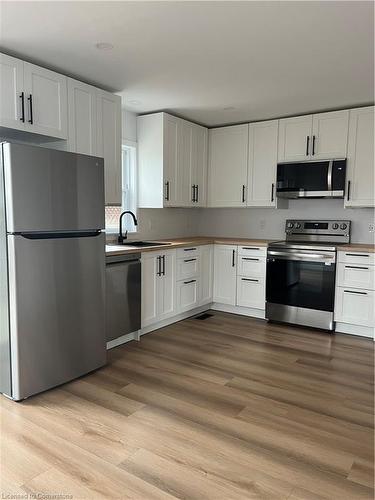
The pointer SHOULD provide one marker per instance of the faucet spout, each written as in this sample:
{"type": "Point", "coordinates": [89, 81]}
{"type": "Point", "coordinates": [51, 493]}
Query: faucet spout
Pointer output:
{"type": "Point", "coordinates": [121, 236]}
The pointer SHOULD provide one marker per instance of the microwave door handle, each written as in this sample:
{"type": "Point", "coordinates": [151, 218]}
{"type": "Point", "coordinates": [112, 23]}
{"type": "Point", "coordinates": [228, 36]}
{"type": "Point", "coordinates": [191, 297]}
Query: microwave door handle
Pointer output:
{"type": "Point", "coordinates": [329, 175]}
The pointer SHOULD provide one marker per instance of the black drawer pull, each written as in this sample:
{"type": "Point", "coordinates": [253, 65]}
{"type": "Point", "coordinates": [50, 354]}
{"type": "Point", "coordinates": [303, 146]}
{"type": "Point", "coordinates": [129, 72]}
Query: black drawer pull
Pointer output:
{"type": "Point", "coordinates": [357, 255]}
{"type": "Point", "coordinates": [250, 258]}
{"type": "Point", "coordinates": [357, 267]}
{"type": "Point", "coordinates": [190, 260]}
{"type": "Point", "coordinates": [357, 293]}
{"type": "Point", "coordinates": [189, 249]}
{"type": "Point", "coordinates": [249, 279]}
{"type": "Point", "coordinates": [188, 282]}
{"type": "Point", "coordinates": [250, 248]}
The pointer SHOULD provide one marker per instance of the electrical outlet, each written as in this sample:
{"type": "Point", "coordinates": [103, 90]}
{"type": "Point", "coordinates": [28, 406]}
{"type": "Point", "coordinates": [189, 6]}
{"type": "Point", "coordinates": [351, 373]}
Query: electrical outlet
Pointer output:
{"type": "Point", "coordinates": [371, 227]}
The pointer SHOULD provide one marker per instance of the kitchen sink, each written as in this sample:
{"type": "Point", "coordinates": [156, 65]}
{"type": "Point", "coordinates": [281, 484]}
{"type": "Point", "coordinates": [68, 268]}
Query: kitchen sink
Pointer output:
{"type": "Point", "coordinates": [141, 244]}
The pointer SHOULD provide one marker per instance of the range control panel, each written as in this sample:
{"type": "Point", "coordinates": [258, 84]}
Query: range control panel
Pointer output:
{"type": "Point", "coordinates": [323, 230]}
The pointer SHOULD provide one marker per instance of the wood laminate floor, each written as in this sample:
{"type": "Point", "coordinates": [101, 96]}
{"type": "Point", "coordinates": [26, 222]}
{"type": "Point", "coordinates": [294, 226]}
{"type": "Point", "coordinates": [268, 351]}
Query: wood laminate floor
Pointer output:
{"type": "Point", "coordinates": [226, 408]}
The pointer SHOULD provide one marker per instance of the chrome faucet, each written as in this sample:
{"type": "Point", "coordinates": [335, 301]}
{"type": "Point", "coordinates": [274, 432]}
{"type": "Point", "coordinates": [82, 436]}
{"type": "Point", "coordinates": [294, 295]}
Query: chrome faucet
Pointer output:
{"type": "Point", "coordinates": [122, 237]}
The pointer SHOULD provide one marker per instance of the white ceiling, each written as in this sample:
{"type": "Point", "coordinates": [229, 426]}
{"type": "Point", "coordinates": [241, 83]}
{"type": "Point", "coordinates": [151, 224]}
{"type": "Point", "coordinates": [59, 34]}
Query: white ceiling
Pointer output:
{"type": "Point", "coordinates": [264, 59]}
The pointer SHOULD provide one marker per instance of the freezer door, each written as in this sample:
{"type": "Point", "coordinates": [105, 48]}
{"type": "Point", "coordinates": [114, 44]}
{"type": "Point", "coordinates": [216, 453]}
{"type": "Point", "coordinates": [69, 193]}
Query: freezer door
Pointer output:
{"type": "Point", "coordinates": [57, 307]}
{"type": "Point", "coordinates": [49, 190]}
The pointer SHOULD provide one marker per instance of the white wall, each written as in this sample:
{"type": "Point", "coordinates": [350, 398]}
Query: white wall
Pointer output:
{"type": "Point", "coordinates": [269, 223]}
{"type": "Point", "coordinates": [129, 125]}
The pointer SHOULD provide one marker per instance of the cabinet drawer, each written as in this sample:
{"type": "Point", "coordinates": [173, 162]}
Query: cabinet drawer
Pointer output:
{"type": "Point", "coordinates": [356, 276]}
{"type": "Point", "coordinates": [251, 292]}
{"type": "Point", "coordinates": [187, 252]}
{"type": "Point", "coordinates": [251, 266]}
{"type": "Point", "coordinates": [354, 306]}
{"type": "Point", "coordinates": [187, 267]}
{"type": "Point", "coordinates": [187, 294]}
{"type": "Point", "coordinates": [252, 250]}
{"type": "Point", "coordinates": [357, 257]}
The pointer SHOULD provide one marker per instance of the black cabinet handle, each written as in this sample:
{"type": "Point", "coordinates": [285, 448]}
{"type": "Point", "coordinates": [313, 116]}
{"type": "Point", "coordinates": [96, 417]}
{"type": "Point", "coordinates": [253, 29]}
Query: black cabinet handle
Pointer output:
{"type": "Point", "coordinates": [307, 145]}
{"type": "Point", "coordinates": [30, 99]}
{"type": "Point", "coordinates": [348, 196]}
{"type": "Point", "coordinates": [358, 254]}
{"type": "Point", "coordinates": [163, 258]}
{"type": "Point", "coordinates": [313, 145]}
{"type": "Point", "coordinates": [193, 193]}
{"type": "Point", "coordinates": [357, 267]}
{"type": "Point", "coordinates": [189, 249]}
{"type": "Point", "coordinates": [249, 279]}
{"type": "Point", "coordinates": [190, 260]}
{"type": "Point", "coordinates": [272, 191]}
{"type": "Point", "coordinates": [191, 281]}
{"type": "Point", "coordinates": [233, 258]}
{"type": "Point", "coordinates": [243, 193]}
{"type": "Point", "coordinates": [357, 293]}
{"type": "Point", "coordinates": [197, 193]}
{"type": "Point", "coordinates": [158, 272]}
{"type": "Point", "coordinates": [250, 258]}
{"type": "Point", "coordinates": [167, 191]}
{"type": "Point", "coordinates": [22, 97]}
{"type": "Point", "coordinates": [250, 248]}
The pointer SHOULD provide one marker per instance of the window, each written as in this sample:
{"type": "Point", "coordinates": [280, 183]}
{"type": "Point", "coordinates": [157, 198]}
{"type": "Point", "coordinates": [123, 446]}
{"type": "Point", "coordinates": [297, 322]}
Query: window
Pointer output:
{"type": "Point", "coordinates": [129, 194]}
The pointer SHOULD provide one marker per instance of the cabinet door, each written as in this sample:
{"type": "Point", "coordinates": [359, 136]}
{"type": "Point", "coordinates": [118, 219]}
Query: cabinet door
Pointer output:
{"type": "Point", "coordinates": [206, 273]}
{"type": "Point", "coordinates": [185, 147]}
{"type": "Point", "coordinates": [81, 118]}
{"type": "Point", "coordinates": [11, 88]}
{"type": "Point", "coordinates": [295, 138]}
{"type": "Point", "coordinates": [330, 135]}
{"type": "Point", "coordinates": [355, 307]}
{"type": "Point", "coordinates": [225, 274]}
{"type": "Point", "coordinates": [251, 292]}
{"type": "Point", "coordinates": [187, 294]}
{"type": "Point", "coordinates": [168, 291]}
{"type": "Point", "coordinates": [360, 159]}
{"type": "Point", "coordinates": [188, 267]}
{"type": "Point", "coordinates": [228, 166]}
{"type": "Point", "coordinates": [108, 121]}
{"type": "Point", "coordinates": [199, 166]}
{"type": "Point", "coordinates": [46, 102]}
{"type": "Point", "coordinates": [172, 155]}
{"type": "Point", "coordinates": [151, 287]}
{"type": "Point", "coordinates": [261, 186]}
{"type": "Point", "coordinates": [356, 276]}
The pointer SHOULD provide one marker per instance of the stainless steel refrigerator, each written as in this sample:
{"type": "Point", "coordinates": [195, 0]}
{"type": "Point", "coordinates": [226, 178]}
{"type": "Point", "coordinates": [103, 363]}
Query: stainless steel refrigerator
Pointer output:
{"type": "Point", "coordinates": [52, 268]}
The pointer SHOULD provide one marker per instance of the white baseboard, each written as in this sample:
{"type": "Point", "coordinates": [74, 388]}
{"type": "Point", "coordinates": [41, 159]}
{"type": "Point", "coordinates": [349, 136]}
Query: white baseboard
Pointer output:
{"type": "Point", "coordinates": [174, 319]}
{"type": "Point", "coordinates": [360, 331]}
{"type": "Point", "coordinates": [243, 311]}
{"type": "Point", "coordinates": [123, 339]}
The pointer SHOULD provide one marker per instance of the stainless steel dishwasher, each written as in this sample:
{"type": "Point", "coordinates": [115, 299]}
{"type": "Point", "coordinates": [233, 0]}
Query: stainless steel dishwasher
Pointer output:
{"type": "Point", "coordinates": [123, 295]}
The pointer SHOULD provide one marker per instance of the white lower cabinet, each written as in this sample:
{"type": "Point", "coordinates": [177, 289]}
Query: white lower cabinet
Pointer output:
{"type": "Point", "coordinates": [187, 294]}
{"type": "Point", "coordinates": [225, 274]}
{"type": "Point", "coordinates": [158, 286]}
{"type": "Point", "coordinates": [354, 306]}
{"type": "Point", "coordinates": [251, 292]}
{"type": "Point", "coordinates": [206, 274]}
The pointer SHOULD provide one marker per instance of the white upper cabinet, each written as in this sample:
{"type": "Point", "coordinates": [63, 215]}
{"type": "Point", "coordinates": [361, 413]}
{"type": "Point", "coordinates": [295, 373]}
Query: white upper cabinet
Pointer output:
{"type": "Point", "coordinates": [172, 162]}
{"type": "Point", "coordinates": [262, 164]}
{"type": "Point", "coordinates": [108, 112]}
{"type": "Point", "coordinates": [45, 101]}
{"type": "Point", "coordinates": [82, 135]}
{"type": "Point", "coordinates": [12, 95]}
{"type": "Point", "coordinates": [228, 148]}
{"type": "Point", "coordinates": [314, 137]}
{"type": "Point", "coordinates": [360, 159]}
{"type": "Point", "coordinates": [295, 138]}
{"type": "Point", "coordinates": [329, 135]}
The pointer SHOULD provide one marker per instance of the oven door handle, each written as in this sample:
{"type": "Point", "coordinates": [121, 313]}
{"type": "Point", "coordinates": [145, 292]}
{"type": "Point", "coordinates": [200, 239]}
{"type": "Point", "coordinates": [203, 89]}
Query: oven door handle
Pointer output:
{"type": "Point", "coordinates": [312, 257]}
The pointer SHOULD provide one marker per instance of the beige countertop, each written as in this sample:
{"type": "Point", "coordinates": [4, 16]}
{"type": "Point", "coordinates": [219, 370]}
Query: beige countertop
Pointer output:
{"type": "Point", "coordinates": [358, 247]}
{"type": "Point", "coordinates": [113, 249]}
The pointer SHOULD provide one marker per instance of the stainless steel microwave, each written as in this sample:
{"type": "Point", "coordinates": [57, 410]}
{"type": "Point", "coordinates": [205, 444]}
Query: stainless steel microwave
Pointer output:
{"type": "Point", "coordinates": [313, 179]}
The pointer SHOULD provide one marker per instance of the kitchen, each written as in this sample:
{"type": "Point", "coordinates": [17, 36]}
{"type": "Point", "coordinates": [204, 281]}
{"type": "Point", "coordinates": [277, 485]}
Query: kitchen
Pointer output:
{"type": "Point", "coordinates": [203, 271]}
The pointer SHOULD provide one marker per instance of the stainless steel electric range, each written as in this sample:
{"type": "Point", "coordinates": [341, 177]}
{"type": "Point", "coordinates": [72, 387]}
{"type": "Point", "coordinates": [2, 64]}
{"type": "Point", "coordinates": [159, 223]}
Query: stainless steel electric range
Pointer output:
{"type": "Point", "coordinates": [300, 285]}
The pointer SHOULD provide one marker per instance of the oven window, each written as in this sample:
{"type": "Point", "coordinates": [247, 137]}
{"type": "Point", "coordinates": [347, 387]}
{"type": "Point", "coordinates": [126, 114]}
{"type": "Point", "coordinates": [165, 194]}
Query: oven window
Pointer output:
{"type": "Point", "coordinates": [301, 284]}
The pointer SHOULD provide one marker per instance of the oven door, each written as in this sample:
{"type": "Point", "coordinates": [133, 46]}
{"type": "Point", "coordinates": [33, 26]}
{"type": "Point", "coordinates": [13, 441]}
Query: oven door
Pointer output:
{"type": "Point", "coordinates": [301, 278]}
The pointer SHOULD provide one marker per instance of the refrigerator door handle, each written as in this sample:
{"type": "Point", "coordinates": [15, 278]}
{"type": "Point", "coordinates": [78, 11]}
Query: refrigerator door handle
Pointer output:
{"type": "Point", "coordinates": [55, 235]}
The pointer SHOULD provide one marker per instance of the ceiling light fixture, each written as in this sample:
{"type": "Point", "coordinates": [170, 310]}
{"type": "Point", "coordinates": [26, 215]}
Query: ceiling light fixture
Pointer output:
{"type": "Point", "coordinates": [104, 46]}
